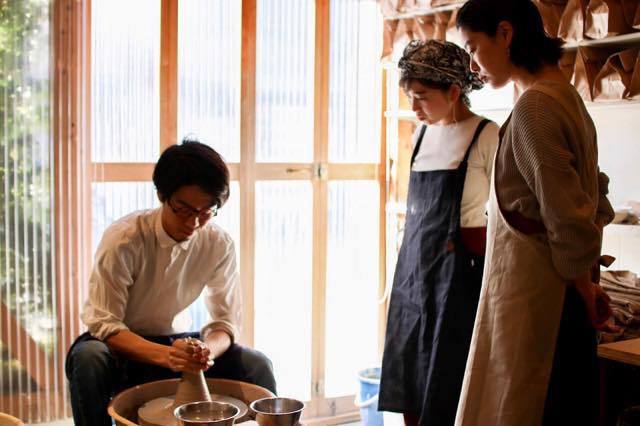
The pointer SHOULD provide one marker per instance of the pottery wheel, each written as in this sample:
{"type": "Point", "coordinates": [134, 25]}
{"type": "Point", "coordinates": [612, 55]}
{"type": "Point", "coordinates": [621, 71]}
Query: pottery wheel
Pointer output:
{"type": "Point", "coordinates": [159, 411]}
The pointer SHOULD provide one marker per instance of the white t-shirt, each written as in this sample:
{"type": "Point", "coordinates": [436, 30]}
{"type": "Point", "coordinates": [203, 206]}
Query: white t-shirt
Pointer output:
{"type": "Point", "coordinates": [143, 280]}
{"type": "Point", "coordinates": [443, 148]}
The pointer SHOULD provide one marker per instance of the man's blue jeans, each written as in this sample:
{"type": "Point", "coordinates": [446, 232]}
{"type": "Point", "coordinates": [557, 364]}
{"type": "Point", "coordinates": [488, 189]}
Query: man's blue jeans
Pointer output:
{"type": "Point", "coordinates": [96, 373]}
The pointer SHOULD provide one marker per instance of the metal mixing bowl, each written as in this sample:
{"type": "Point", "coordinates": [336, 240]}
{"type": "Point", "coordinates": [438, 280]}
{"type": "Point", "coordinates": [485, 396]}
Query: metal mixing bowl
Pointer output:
{"type": "Point", "coordinates": [206, 413]}
{"type": "Point", "coordinates": [277, 411]}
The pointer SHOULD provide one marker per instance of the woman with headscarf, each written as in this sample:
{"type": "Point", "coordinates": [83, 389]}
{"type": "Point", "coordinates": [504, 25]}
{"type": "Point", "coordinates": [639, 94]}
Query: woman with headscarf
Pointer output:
{"type": "Point", "coordinates": [533, 357]}
{"type": "Point", "coordinates": [439, 270]}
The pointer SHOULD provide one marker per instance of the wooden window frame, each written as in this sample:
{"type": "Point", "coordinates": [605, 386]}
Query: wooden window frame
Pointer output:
{"type": "Point", "coordinates": [247, 172]}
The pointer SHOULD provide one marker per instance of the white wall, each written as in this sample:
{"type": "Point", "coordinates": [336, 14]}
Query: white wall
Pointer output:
{"type": "Point", "coordinates": [618, 141]}
{"type": "Point", "coordinates": [623, 243]}
{"type": "Point", "coordinates": [619, 149]}
{"type": "Point", "coordinates": [618, 128]}
{"type": "Point", "coordinates": [619, 152]}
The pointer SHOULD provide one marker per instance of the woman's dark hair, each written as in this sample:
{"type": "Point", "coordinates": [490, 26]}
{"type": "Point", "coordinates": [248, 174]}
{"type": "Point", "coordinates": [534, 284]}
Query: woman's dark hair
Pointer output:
{"type": "Point", "coordinates": [192, 163]}
{"type": "Point", "coordinates": [406, 82]}
{"type": "Point", "coordinates": [531, 47]}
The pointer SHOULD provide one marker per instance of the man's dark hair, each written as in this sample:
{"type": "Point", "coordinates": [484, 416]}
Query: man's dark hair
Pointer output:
{"type": "Point", "coordinates": [531, 47]}
{"type": "Point", "coordinates": [192, 163]}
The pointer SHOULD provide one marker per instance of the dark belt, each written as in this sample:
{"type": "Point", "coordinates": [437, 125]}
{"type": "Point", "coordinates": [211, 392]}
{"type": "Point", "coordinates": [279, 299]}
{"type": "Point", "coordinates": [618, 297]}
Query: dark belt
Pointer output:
{"type": "Point", "coordinates": [474, 239]}
{"type": "Point", "coordinates": [524, 224]}
{"type": "Point", "coordinates": [530, 226]}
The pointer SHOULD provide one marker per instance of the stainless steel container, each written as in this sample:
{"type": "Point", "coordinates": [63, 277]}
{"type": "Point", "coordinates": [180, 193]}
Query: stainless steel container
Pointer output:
{"type": "Point", "coordinates": [277, 411]}
{"type": "Point", "coordinates": [206, 413]}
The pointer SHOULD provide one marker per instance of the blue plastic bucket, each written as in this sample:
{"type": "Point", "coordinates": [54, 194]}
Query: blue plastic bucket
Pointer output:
{"type": "Point", "coordinates": [367, 398]}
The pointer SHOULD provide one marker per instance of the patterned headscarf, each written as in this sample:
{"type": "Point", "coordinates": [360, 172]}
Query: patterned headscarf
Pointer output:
{"type": "Point", "coordinates": [440, 62]}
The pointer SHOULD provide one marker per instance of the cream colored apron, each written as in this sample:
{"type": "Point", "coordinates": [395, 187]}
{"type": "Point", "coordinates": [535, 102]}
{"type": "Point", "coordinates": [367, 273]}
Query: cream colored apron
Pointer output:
{"type": "Point", "coordinates": [516, 328]}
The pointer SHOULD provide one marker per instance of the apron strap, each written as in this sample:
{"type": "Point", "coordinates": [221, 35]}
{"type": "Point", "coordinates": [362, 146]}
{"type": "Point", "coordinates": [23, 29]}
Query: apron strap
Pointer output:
{"type": "Point", "coordinates": [476, 135]}
{"type": "Point", "coordinates": [418, 143]}
{"type": "Point", "coordinates": [454, 223]}
{"type": "Point", "coordinates": [475, 138]}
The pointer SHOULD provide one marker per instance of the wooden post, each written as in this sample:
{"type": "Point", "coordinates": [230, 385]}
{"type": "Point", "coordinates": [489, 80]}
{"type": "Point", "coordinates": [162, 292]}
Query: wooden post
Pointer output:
{"type": "Point", "coordinates": [247, 167]}
{"type": "Point", "coordinates": [168, 74]}
{"type": "Point", "coordinates": [71, 112]}
{"type": "Point", "coordinates": [320, 198]}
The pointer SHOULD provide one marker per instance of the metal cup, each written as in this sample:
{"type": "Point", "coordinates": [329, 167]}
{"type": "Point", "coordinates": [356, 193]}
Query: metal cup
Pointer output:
{"type": "Point", "coordinates": [206, 413]}
{"type": "Point", "coordinates": [277, 411]}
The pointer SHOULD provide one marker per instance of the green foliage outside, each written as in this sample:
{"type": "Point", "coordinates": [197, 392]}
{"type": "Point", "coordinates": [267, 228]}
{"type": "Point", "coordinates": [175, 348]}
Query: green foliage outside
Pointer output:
{"type": "Point", "coordinates": [26, 270]}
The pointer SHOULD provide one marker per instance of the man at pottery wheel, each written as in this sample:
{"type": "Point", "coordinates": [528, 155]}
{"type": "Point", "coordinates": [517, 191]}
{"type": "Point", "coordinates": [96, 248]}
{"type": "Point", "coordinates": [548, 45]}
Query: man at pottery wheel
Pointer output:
{"type": "Point", "coordinates": [149, 267]}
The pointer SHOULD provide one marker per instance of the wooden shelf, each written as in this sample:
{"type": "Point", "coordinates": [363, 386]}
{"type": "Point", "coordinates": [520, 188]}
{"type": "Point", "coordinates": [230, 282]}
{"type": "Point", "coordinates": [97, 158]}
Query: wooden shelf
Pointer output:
{"type": "Point", "coordinates": [402, 114]}
{"type": "Point", "coordinates": [627, 351]}
{"type": "Point", "coordinates": [632, 39]}
{"type": "Point", "coordinates": [425, 11]}
{"type": "Point", "coordinates": [622, 41]}
{"type": "Point", "coordinates": [408, 115]}
{"type": "Point", "coordinates": [389, 65]}
{"type": "Point", "coordinates": [622, 103]}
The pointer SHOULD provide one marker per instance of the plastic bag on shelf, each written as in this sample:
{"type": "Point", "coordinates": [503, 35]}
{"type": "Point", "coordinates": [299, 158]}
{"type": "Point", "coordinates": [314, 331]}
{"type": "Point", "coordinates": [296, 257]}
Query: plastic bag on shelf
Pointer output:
{"type": "Point", "coordinates": [613, 82]}
{"type": "Point", "coordinates": [589, 62]}
{"type": "Point", "coordinates": [567, 64]}
{"type": "Point", "coordinates": [607, 18]}
{"type": "Point", "coordinates": [572, 21]}
{"type": "Point", "coordinates": [551, 12]}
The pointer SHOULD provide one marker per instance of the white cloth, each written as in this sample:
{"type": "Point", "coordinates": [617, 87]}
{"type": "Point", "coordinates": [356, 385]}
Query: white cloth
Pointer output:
{"type": "Point", "coordinates": [143, 280]}
{"type": "Point", "coordinates": [443, 148]}
{"type": "Point", "coordinates": [516, 329]}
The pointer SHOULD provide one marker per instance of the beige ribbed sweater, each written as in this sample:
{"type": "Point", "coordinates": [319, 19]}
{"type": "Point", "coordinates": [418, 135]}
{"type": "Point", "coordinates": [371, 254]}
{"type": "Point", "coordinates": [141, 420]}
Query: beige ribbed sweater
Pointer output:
{"type": "Point", "coordinates": [547, 169]}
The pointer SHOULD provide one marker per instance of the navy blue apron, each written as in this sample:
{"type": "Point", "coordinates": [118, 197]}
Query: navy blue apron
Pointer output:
{"type": "Point", "coordinates": [433, 301]}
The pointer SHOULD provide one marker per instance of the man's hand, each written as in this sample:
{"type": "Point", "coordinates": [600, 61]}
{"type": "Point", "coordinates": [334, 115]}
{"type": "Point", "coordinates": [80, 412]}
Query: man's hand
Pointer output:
{"type": "Point", "coordinates": [218, 342]}
{"type": "Point", "coordinates": [189, 355]}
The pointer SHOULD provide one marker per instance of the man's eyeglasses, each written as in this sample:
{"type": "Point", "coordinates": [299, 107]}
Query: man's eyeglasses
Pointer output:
{"type": "Point", "coordinates": [185, 211]}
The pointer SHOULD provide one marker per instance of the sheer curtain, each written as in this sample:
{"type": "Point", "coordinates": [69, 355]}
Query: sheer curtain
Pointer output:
{"type": "Point", "coordinates": [27, 293]}
{"type": "Point", "coordinates": [41, 242]}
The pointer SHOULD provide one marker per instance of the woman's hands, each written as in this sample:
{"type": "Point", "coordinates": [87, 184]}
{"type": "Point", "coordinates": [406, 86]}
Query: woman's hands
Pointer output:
{"type": "Point", "coordinates": [597, 303]}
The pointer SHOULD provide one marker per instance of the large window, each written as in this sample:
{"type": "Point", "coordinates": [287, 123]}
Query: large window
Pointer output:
{"type": "Point", "coordinates": [284, 249]}
{"type": "Point", "coordinates": [284, 81]}
{"type": "Point", "coordinates": [209, 73]}
{"type": "Point", "coordinates": [288, 91]}
{"type": "Point", "coordinates": [125, 80]}
{"type": "Point", "coordinates": [353, 206]}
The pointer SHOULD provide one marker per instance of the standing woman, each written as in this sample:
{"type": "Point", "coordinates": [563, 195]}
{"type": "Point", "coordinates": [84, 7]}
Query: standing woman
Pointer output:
{"type": "Point", "coordinates": [533, 355]}
{"type": "Point", "coordinates": [439, 271]}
